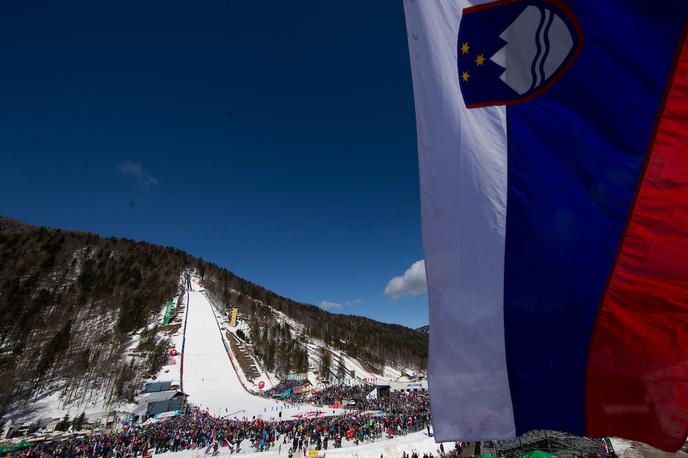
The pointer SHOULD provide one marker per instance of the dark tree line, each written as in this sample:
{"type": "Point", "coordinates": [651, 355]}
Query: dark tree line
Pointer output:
{"type": "Point", "coordinates": [372, 342]}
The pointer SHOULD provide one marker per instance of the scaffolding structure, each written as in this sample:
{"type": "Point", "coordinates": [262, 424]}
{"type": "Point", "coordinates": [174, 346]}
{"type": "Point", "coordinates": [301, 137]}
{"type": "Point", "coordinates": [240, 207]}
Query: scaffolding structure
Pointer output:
{"type": "Point", "coordinates": [559, 443]}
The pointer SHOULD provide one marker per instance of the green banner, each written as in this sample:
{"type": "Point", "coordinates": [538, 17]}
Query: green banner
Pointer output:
{"type": "Point", "coordinates": [537, 454]}
{"type": "Point", "coordinates": [14, 447]}
{"type": "Point", "coordinates": [166, 320]}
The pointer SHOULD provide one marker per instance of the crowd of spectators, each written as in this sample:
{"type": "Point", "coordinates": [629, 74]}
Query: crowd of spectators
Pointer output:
{"type": "Point", "coordinates": [397, 414]}
{"type": "Point", "coordinates": [356, 396]}
{"type": "Point", "coordinates": [339, 393]}
{"type": "Point", "coordinates": [456, 451]}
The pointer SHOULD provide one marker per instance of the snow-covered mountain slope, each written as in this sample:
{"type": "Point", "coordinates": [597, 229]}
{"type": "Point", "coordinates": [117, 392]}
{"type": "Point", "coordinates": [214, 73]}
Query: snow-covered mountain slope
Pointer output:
{"type": "Point", "coordinates": [209, 377]}
{"type": "Point", "coordinates": [74, 311]}
{"type": "Point", "coordinates": [213, 380]}
{"type": "Point", "coordinates": [81, 325]}
{"type": "Point", "coordinates": [372, 343]}
{"type": "Point", "coordinates": [326, 362]}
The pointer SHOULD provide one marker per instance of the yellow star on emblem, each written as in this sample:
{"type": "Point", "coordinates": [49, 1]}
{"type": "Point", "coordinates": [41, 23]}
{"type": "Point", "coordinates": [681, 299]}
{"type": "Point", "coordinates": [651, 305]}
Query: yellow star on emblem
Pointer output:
{"type": "Point", "coordinates": [480, 60]}
{"type": "Point", "coordinates": [465, 76]}
{"type": "Point", "coordinates": [465, 48]}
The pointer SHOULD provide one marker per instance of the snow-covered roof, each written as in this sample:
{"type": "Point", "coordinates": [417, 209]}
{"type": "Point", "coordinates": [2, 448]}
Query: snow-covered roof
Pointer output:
{"type": "Point", "coordinates": [311, 379]}
{"type": "Point", "coordinates": [150, 403]}
{"type": "Point", "coordinates": [140, 410]}
{"type": "Point", "coordinates": [154, 387]}
{"type": "Point", "coordinates": [419, 385]}
{"type": "Point", "coordinates": [147, 398]}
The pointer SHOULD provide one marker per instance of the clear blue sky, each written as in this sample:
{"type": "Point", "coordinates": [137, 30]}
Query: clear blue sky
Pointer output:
{"type": "Point", "coordinates": [274, 138]}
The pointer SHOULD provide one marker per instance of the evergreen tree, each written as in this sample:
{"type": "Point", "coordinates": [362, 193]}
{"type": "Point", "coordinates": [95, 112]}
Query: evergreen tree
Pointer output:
{"type": "Point", "coordinates": [325, 362]}
{"type": "Point", "coordinates": [63, 425]}
{"type": "Point", "coordinates": [341, 369]}
{"type": "Point", "coordinates": [270, 356]}
{"type": "Point", "coordinates": [56, 346]}
{"type": "Point", "coordinates": [305, 365]}
{"type": "Point", "coordinates": [79, 421]}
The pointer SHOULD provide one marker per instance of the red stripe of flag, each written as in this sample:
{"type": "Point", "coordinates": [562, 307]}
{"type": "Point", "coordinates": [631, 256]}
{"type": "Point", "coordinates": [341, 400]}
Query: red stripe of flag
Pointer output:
{"type": "Point", "coordinates": [637, 378]}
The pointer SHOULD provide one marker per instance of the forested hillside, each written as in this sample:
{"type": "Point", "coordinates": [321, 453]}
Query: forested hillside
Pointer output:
{"type": "Point", "coordinates": [70, 301]}
{"type": "Point", "coordinates": [369, 341]}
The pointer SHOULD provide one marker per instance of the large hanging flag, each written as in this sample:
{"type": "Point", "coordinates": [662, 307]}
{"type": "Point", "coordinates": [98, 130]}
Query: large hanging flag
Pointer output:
{"type": "Point", "coordinates": [553, 150]}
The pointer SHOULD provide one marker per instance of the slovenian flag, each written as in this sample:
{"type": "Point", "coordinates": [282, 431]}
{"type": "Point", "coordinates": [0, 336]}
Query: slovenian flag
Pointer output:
{"type": "Point", "coordinates": [553, 151]}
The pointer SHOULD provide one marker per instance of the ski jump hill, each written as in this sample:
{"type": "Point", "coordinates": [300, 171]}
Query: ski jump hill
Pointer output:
{"type": "Point", "coordinates": [211, 379]}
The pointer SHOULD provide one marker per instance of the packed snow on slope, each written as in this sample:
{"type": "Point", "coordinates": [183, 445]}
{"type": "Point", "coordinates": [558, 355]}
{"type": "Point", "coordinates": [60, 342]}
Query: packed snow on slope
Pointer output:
{"type": "Point", "coordinates": [418, 442]}
{"type": "Point", "coordinates": [625, 448]}
{"type": "Point", "coordinates": [211, 381]}
{"type": "Point", "coordinates": [209, 378]}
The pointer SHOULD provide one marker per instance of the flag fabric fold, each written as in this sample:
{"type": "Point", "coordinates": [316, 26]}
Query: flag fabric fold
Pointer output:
{"type": "Point", "coordinates": [554, 200]}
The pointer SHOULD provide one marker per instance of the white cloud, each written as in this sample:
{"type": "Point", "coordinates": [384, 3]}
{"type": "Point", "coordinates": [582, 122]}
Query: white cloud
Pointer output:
{"type": "Point", "coordinates": [354, 302]}
{"type": "Point", "coordinates": [135, 170]}
{"type": "Point", "coordinates": [412, 283]}
{"type": "Point", "coordinates": [327, 305]}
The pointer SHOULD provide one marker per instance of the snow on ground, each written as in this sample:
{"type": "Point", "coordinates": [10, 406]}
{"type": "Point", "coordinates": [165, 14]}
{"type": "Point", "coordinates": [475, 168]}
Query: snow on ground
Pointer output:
{"type": "Point", "coordinates": [361, 374]}
{"type": "Point", "coordinates": [210, 379]}
{"type": "Point", "coordinates": [171, 371]}
{"type": "Point", "coordinates": [387, 448]}
{"type": "Point", "coordinates": [48, 404]}
{"type": "Point", "coordinates": [265, 377]}
{"type": "Point", "coordinates": [352, 365]}
{"type": "Point", "coordinates": [392, 373]}
{"type": "Point", "coordinates": [314, 345]}
{"type": "Point", "coordinates": [632, 449]}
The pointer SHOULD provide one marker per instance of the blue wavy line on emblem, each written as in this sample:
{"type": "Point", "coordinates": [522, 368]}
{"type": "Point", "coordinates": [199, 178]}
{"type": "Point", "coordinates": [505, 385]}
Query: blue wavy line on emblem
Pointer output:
{"type": "Point", "coordinates": [547, 46]}
{"type": "Point", "coordinates": [538, 46]}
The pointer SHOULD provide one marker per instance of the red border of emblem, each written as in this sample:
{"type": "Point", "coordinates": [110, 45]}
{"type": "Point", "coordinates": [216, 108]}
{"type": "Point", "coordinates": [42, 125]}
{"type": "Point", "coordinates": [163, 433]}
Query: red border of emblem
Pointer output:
{"type": "Point", "coordinates": [560, 71]}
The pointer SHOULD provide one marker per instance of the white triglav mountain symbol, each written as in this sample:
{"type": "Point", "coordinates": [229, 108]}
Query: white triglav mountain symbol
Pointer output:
{"type": "Point", "coordinates": [537, 44]}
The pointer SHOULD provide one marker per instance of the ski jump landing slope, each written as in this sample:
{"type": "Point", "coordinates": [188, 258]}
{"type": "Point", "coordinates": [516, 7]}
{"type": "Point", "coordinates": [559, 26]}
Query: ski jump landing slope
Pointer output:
{"type": "Point", "coordinates": [209, 378]}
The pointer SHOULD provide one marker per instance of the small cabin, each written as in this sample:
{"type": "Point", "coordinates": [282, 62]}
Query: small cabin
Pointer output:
{"type": "Point", "coordinates": [160, 402]}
